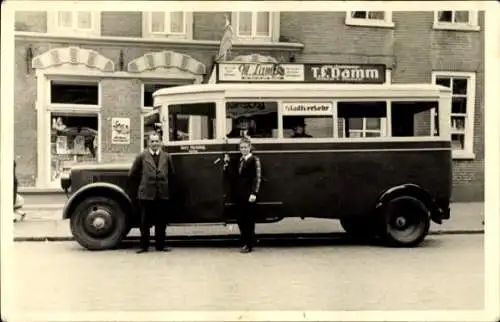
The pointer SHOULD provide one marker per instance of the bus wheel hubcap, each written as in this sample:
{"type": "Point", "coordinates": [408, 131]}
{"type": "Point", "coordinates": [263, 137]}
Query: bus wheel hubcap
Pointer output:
{"type": "Point", "coordinates": [400, 222]}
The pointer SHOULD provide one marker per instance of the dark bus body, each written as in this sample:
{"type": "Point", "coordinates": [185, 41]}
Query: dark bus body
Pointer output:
{"type": "Point", "coordinates": [387, 188]}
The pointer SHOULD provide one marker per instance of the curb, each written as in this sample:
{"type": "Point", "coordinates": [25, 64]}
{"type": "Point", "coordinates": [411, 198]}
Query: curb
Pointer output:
{"type": "Point", "coordinates": [43, 207]}
{"type": "Point", "coordinates": [233, 237]}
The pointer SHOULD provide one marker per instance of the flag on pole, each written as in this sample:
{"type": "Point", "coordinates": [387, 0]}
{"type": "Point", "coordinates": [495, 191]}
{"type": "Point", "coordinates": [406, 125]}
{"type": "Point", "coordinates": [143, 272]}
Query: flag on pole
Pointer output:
{"type": "Point", "coordinates": [226, 42]}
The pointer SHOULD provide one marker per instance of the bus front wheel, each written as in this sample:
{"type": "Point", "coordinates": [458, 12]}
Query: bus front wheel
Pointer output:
{"type": "Point", "coordinates": [406, 222]}
{"type": "Point", "coordinates": [99, 223]}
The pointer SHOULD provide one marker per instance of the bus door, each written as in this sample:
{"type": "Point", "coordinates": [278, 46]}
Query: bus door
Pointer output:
{"type": "Point", "coordinates": [197, 159]}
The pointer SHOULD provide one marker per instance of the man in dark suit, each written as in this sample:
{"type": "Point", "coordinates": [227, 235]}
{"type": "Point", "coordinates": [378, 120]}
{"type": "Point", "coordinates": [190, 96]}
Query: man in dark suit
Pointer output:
{"type": "Point", "coordinates": [299, 131]}
{"type": "Point", "coordinates": [150, 180]}
{"type": "Point", "coordinates": [245, 128]}
{"type": "Point", "coordinates": [247, 188]}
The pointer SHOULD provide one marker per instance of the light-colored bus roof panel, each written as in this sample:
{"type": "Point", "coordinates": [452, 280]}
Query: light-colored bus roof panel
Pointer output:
{"type": "Point", "coordinates": [307, 90]}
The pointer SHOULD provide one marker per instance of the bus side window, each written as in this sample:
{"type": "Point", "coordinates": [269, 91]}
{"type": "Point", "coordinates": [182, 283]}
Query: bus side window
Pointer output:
{"type": "Point", "coordinates": [414, 119]}
{"type": "Point", "coordinates": [254, 119]}
{"type": "Point", "coordinates": [362, 119]}
{"type": "Point", "coordinates": [191, 121]}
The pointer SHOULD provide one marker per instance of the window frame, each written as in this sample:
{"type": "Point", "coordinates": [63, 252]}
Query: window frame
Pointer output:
{"type": "Point", "coordinates": [365, 22]}
{"type": "Point", "coordinates": [468, 151]}
{"type": "Point", "coordinates": [72, 110]}
{"type": "Point", "coordinates": [150, 110]}
{"type": "Point", "coordinates": [164, 117]}
{"type": "Point", "coordinates": [147, 26]}
{"type": "Point", "coordinates": [274, 26]}
{"type": "Point", "coordinates": [472, 25]}
{"type": "Point", "coordinates": [54, 28]}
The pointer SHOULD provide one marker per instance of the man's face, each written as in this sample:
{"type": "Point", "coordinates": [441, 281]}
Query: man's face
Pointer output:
{"type": "Point", "coordinates": [299, 129]}
{"type": "Point", "coordinates": [243, 124]}
{"type": "Point", "coordinates": [154, 142]}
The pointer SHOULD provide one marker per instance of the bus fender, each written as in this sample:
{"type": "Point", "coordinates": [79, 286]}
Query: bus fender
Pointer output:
{"type": "Point", "coordinates": [413, 190]}
{"type": "Point", "coordinates": [102, 189]}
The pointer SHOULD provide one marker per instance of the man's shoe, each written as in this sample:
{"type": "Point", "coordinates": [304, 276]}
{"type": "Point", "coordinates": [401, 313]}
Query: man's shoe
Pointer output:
{"type": "Point", "coordinates": [140, 251]}
{"type": "Point", "coordinates": [245, 250]}
{"type": "Point", "coordinates": [165, 249]}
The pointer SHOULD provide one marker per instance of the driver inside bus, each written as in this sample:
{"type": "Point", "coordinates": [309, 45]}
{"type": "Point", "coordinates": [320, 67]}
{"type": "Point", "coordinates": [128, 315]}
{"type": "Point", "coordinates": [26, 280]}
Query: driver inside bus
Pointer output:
{"type": "Point", "coordinates": [299, 131]}
{"type": "Point", "coordinates": [246, 128]}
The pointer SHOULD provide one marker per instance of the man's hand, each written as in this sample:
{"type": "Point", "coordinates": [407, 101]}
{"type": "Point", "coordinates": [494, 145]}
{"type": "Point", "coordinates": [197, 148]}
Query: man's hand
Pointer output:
{"type": "Point", "coordinates": [252, 198]}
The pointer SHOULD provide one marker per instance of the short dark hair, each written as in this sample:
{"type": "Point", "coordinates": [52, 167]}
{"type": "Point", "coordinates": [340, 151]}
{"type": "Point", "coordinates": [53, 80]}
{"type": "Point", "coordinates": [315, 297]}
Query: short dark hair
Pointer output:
{"type": "Point", "coordinates": [154, 134]}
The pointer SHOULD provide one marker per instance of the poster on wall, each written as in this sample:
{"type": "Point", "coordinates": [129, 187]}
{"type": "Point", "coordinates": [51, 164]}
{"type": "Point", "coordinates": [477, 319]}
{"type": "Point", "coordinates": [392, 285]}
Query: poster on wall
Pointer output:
{"type": "Point", "coordinates": [79, 145]}
{"type": "Point", "coordinates": [62, 144]}
{"type": "Point", "coordinates": [120, 130]}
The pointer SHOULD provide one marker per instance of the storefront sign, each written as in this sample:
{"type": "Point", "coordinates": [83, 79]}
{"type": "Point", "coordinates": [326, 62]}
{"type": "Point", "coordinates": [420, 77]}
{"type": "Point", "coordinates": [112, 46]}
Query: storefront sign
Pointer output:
{"type": "Point", "coordinates": [120, 130]}
{"type": "Point", "coordinates": [260, 72]}
{"type": "Point", "coordinates": [308, 108]}
{"type": "Point", "coordinates": [341, 73]}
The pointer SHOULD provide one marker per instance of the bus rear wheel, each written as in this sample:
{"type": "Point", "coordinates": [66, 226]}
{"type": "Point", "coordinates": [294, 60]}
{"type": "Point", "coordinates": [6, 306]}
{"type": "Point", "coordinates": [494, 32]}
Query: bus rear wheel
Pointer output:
{"type": "Point", "coordinates": [405, 221]}
{"type": "Point", "coordinates": [99, 223]}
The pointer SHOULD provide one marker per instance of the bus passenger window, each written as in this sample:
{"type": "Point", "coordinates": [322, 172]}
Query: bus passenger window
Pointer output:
{"type": "Point", "coordinates": [413, 119]}
{"type": "Point", "coordinates": [191, 121]}
{"type": "Point", "coordinates": [308, 126]}
{"type": "Point", "coordinates": [253, 119]}
{"type": "Point", "coordinates": [362, 119]}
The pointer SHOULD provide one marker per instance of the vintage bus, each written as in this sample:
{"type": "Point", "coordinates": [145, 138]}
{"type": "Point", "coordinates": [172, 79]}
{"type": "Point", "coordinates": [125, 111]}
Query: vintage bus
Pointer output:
{"type": "Point", "coordinates": [376, 157]}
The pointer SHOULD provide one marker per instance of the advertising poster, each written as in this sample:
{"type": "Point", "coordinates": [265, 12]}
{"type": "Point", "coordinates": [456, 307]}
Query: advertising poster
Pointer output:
{"type": "Point", "coordinates": [79, 145]}
{"type": "Point", "coordinates": [62, 144]}
{"type": "Point", "coordinates": [120, 130]}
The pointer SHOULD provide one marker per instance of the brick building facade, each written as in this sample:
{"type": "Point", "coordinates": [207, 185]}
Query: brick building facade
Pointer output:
{"type": "Point", "coordinates": [119, 58]}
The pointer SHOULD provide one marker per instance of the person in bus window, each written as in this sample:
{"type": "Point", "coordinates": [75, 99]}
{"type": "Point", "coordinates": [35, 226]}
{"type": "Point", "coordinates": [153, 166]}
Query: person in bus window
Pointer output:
{"type": "Point", "coordinates": [299, 131]}
{"type": "Point", "coordinates": [243, 129]}
{"type": "Point", "coordinates": [247, 188]}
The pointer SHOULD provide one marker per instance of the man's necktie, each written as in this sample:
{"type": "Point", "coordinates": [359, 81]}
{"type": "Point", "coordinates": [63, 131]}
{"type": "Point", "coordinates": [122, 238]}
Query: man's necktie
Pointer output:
{"type": "Point", "coordinates": [242, 160]}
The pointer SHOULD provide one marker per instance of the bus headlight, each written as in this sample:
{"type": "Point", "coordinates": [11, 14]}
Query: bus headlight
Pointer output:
{"type": "Point", "coordinates": [66, 181]}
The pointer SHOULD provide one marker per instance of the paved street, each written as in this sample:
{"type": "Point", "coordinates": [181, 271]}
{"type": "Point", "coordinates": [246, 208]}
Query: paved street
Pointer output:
{"type": "Point", "coordinates": [447, 272]}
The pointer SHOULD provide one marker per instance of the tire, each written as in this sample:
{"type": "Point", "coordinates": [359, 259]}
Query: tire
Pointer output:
{"type": "Point", "coordinates": [405, 221]}
{"type": "Point", "coordinates": [99, 223]}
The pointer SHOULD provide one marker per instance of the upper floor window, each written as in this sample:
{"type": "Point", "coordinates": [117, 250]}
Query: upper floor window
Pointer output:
{"type": "Point", "coordinates": [167, 24]}
{"type": "Point", "coordinates": [462, 110]}
{"type": "Point", "coordinates": [255, 25]}
{"type": "Point", "coordinates": [84, 23]}
{"type": "Point", "coordinates": [456, 20]}
{"type": "Point", "coordinates": [369, 18]}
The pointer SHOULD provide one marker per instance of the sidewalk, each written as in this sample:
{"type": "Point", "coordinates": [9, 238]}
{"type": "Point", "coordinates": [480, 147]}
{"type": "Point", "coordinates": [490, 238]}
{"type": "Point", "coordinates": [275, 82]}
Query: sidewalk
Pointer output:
{"type": "Point", "coordinates": [46, 224]}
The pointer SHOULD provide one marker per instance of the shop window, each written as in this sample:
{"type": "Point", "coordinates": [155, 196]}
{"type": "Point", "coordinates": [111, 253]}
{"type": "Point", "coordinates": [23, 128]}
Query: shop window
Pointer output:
{"type": "Point", "coordinates": [190, 122]}
{"type": "Point", "coordinates": [362, 119]}
{"type": "Point", "coordinates": [174, 24]}
{"type": "Point", "coordinates": [83, 23]}
{"type": "Point", "coordinates": [456, 19]}
{"type": "Point", "coordinates": [73, 139]}
{"type": "Point", "coordinates": [369, 18]}
{"type": "Point", "coordinates": [148, 91]}
{"type": "Point", "coordinates": [462, 111]}
{"type": "Point", "coordinates": [74, 93]}
{"type": "Point", "coordinates": [254, 25]}
{"type": "Point", "coordinates": [413, 119]}
{"type": "Point", "coordinates": [253, 119]}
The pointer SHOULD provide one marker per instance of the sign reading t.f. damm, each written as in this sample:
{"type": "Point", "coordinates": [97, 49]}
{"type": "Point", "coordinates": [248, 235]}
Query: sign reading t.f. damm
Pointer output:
{"type": "Point", "coordinates": [300, 73]}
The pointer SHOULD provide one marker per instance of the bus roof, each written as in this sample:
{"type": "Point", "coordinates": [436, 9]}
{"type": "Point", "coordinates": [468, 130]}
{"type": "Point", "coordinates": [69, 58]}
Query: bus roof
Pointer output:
{"type": "Point", "coordinates": [230, 90]}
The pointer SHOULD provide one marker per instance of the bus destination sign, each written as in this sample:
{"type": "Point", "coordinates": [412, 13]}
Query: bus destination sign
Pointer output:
{"type": "Point", "coordinates": [348, 74]}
